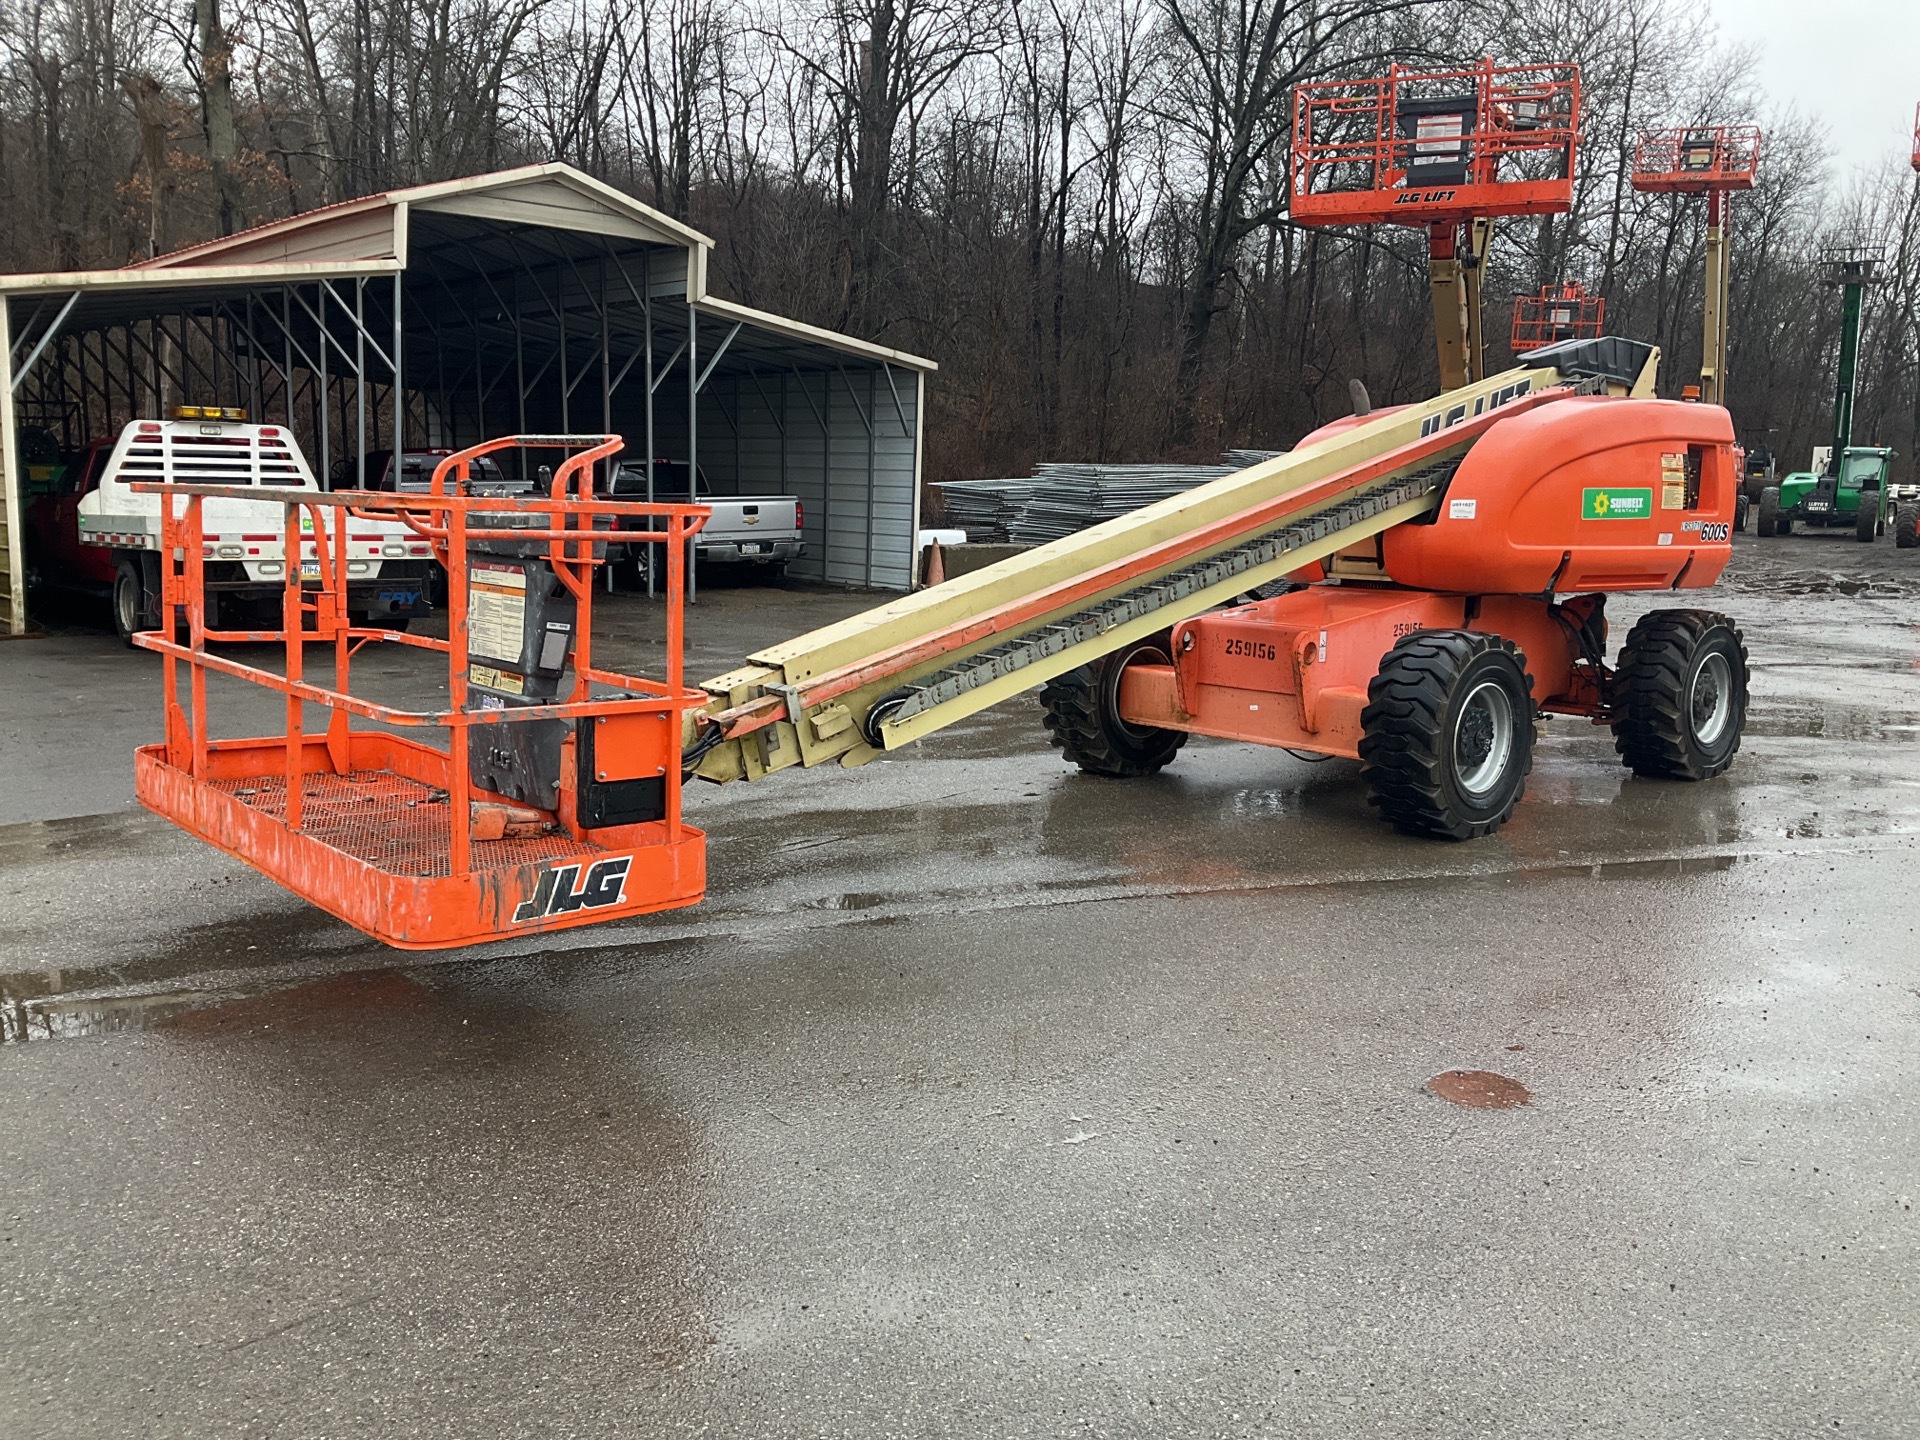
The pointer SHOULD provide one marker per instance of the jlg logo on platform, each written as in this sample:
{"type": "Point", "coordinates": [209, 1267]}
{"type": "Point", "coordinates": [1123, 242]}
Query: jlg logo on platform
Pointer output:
{"type": "Point", "coordinates": [605, 884]}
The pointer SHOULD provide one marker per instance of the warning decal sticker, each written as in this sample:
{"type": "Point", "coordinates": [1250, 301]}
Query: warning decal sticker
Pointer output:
{"type": "Point", "coordinates": [1673, 481]}
{"type": "Point", "coordinates": [497, 611]}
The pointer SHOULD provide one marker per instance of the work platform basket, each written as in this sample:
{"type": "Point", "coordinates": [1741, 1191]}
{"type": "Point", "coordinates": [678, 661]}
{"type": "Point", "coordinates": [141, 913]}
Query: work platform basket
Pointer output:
{"type": "Point", "coordinates": [1558, 312]}
{"type": "Point", "coordinates": [575, 814]}
{"type": "Point", "coordinates": [1435, 147]}
{"type": "Point", "coordinates": [1696, 159]}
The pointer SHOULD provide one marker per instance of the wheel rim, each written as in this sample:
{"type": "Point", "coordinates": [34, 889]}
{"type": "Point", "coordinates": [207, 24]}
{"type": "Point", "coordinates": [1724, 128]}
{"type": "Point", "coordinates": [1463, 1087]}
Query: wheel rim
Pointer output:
{"type": "Point", "coordinates": [1711, 704]}
{"type": "Point", "coordinates": [1148, 654]}
{"type": "Point", "coordinates": [1483, 738]}
{"type": "Point", "coordinates": [125, 603]}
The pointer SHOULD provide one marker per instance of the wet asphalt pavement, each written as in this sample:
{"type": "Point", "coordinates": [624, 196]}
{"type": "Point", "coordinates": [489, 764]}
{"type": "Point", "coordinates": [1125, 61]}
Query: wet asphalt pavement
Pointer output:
{"type": "Point", "coordinates": [984, 1099]}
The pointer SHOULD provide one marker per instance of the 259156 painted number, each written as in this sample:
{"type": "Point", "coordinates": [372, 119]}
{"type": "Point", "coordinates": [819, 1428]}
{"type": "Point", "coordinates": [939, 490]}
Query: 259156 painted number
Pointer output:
{"type": "Point", "coordinates": [1252, 649]}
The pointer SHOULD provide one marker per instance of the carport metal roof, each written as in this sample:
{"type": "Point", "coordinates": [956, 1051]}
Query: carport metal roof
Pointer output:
{"type": "Point", "coordinates": [452, 234]}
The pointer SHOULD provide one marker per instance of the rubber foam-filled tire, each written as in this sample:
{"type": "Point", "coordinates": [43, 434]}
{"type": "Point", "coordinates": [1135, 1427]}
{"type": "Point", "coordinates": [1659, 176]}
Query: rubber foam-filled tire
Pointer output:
{"type": "Point", "coordinates": [1866, 524]}
{"type": "Point", "coordinates": [1906, 527]}
{"type": "Point", "coordinates": [1768, 523]}
{"type": "Point", "coordinates": [1447, 733]}
{"type": "Point", "coordinates": [1740, 506]}
{"type": "Point", "coordinates": [129, 602]}
{"type": "Point", "coordinates": [1680, 695]}
{"type": "Point", "coordinates": [1083, 717]}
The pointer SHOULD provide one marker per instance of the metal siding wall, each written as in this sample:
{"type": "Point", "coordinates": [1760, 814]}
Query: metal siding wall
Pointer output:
{"type": "Point", "coordinates": [895, 480]}
{"type": "Point", "coordinates": [759, 445]}
{"type": "Point", "coordinates": [717, 419]}
{"type": "Point", "coordinates": [806, 448]}
{"type": "Point", "coordinates": [848, 493]}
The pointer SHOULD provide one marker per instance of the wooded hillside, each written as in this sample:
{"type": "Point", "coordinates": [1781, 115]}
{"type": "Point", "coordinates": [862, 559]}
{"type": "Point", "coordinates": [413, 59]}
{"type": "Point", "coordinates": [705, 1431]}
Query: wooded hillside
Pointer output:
{"type": "Point", "coordinates": [1077, 206]}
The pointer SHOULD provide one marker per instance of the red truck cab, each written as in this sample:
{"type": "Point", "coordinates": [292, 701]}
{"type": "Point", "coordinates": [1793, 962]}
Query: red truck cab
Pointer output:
{"type": "Point", "coordinates": [53, 527]}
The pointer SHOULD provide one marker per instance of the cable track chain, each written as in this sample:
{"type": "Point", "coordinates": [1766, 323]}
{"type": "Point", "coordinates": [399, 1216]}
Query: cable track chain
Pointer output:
{"type": "Point", "coordinates": [1044, 641]}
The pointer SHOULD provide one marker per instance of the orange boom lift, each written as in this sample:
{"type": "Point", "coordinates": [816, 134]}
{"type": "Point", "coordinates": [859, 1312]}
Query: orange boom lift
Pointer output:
{"type": "Point", "coordinates": [1558, 312]}
{"type": "Point", "coordinates": [1413, 588]}
{"type": "Point", "coordinates": [552, 795]}
{"type": "Point", "coordinates": [1715, 161]}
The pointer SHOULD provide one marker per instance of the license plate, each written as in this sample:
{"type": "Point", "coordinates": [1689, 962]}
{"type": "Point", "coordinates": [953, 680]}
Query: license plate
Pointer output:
{"type": "Point", "coordinates": [309, 569]}
{"type": "Point", "coordinates": [752, 547]}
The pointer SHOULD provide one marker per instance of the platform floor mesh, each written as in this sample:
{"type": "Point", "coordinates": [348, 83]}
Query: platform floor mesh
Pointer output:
{"type": "Point", "coordinates": [392, 823]}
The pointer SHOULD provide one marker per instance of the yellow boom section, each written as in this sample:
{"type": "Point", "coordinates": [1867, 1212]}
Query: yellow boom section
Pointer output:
{"type": "Point", "coordinates": [909, 667]}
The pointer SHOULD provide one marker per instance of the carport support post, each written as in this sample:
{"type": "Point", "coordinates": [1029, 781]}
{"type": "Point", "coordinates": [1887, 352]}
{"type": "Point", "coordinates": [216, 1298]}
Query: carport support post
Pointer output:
{"type": "Point", "coordinates": [693, 436]}
{"type": "Point", "coordinates": [606, 388]}
{"type": "Point", "coordinates": [519, 374]}
{"type": "Point", "coordinates": [326, 395]}
{"type": "Point", "coordinates": [286, 335]}
{"type": "Point", "coordinates": [399, 395]}
{"type": "Point", "coordinates": [10, 479]}
{"type": "Point", "coordinates": [919, 458]}
{"type": "Point", "coordinates": [360, 380]}
{"type": "Point", "coordinates": [646, 312]}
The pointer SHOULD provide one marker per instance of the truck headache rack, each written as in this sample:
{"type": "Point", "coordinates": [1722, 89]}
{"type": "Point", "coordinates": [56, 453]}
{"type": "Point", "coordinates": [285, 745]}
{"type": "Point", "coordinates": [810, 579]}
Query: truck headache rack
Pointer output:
{"type": "Point", "coordinates": [554, 799]}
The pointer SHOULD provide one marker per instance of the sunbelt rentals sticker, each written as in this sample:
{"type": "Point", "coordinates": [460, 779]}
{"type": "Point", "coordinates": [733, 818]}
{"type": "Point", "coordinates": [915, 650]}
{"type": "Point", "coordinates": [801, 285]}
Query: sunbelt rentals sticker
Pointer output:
{"type": "Point", "coordinates": [1611, 503]}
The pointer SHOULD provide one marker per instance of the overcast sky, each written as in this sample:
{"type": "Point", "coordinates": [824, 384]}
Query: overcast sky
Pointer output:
{"type": "Point", "coordinates": [1852, 64]}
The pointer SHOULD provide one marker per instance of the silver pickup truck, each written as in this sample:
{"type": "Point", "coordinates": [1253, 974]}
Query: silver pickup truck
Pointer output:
{"type": "Point", "coordinates": [764, 530]}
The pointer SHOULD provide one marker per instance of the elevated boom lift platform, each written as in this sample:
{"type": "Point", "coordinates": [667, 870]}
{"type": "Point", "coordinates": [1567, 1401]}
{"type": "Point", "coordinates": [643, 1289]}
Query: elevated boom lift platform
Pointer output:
{"type": "Point", "coordinates": [1715, 161]}
{"type": "Point", "coordinates": [1447, 150]}
{"type": "Point", "coordinates": [553, 796]}
{"type": "Point", "coordinates": [1558, 312]}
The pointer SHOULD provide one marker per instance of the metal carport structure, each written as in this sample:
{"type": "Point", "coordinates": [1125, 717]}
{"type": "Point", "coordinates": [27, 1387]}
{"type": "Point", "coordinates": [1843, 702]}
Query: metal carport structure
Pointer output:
{"type": "Point", "coordinates": [530, 300]}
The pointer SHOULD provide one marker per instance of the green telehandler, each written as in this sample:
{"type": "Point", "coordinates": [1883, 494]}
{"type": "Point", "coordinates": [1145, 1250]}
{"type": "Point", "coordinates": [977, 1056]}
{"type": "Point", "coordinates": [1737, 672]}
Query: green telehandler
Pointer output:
{"type": "Point", "coordinates": [1849, 485]}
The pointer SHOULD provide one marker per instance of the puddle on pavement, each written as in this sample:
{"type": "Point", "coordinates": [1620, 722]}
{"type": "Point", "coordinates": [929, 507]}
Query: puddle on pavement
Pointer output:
{"type": "Point", "coordinates": [56, 1001]}
{"type": "Point", "coordinates": [1678, 865]}
{"type": "Point", "coordinates": [66, 1018]}
{"type": "Point", "coordinates": [1479, 1089]}
{"type": "Point", "coordinates": [859, 900]}
{"type": "Point", "coordinates": [299, 1007]}
{"type": "Point", "coordinates": [1815, 582]}
{"type": "Point", "coordinates": [1836, 723]}
{"type": "Point", "coordinates": [274, 1004]}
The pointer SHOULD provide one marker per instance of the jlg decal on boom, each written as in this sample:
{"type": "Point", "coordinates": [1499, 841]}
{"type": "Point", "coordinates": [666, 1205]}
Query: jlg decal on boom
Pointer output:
{"type": "Point", "coordinates": [1447, 419]}
{"type": "Point", "coordinates": [605, 884]}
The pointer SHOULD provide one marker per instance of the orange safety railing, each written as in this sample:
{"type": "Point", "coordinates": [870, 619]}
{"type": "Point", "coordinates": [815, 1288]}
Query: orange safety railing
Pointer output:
{"type": "Point", "coordinates": [1428, 147]}
{"type": "Point", "coordinates": [380, 828]}
{"type": "Point", "coordinates": [1558, 312]}
{"type": "Point", "coordinates": [1695, 159]}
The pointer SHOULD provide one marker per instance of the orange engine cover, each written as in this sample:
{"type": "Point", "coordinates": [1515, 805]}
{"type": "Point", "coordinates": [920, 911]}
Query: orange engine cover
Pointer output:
{"type": "Point", "coordinates": [1591, 493]}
